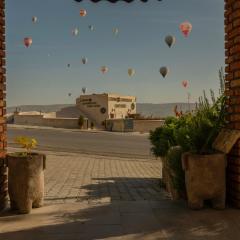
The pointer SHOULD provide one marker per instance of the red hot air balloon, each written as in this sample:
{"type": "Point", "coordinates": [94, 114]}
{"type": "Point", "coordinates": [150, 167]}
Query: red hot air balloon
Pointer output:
{"type": "Point", "coordinates": [185, 83]}
{"type": "Point", "coordinates": [186, 28]}
{"type": "Point", "coordinates": [27, 41]}
{"type": "Point", "coordinates": [83, 12]}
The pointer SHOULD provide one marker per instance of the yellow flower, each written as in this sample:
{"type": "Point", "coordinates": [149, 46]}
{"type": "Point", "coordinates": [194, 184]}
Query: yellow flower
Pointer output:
{"type": "Point", "coordinates": [26, 142]}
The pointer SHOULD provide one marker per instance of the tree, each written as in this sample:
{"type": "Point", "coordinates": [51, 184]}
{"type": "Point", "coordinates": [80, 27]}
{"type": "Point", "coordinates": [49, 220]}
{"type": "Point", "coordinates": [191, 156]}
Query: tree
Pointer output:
{"type": "Point", "coordinates": [80, 121]}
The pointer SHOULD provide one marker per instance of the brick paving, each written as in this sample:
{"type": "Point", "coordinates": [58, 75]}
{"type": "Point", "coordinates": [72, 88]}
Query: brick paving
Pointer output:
{"type": "Point", "coordinates": [95, 197]}
{"type": "Point", "coordinates": [75, 177]}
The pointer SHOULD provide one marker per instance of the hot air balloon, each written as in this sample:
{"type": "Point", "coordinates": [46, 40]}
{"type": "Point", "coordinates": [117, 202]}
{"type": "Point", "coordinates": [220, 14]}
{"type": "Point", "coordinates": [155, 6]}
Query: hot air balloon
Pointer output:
{"type": "Point", "coordinates": [27, 41]}
{"type": "Point", "coordinates": [69, 94]}
{"type": "Point", "coordinates": [84, 60]}
{"type": "Point", "coordinates": [83, 12]}
{"type": "Point", "coordinates": [170, 40]}
{"type": "Point", "coordinates": [91, 28]}
{"type": "Point", "coordinates": [115, 31]}
{"type": "Point", "coordinates": [104, 69]}
{"type": "Point", "coordinates": [84, 89]}
{"type": "Point", "coordinates": [164, 71]}
{"type": "Point", "coordinates": [186, 28]}
{"type": "Point", "coordinates": [185, 83]}
{"type": "Point", "coordinates": [75, 32]}
{"type": "Point", "coordinates": [68, 65]}
{"type": "Point", "coordinates": [131, 72]}
{"type": "Point", "coordinates": [34, 19]}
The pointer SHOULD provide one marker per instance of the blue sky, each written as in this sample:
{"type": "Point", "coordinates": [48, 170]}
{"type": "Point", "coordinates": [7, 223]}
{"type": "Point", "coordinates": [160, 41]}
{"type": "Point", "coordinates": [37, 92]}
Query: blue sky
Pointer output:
{"type": "Point", "coordinates": [39, 74]}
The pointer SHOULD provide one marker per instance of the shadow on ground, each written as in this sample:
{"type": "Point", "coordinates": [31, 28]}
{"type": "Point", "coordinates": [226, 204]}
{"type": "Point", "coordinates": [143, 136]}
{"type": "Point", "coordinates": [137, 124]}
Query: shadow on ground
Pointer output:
{"type": "Point", "coordinates": [120, 218]}
{"type": "Point", "coordinates": [124, 188]}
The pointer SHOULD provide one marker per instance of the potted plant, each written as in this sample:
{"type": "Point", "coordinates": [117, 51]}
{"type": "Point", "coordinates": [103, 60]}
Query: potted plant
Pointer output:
{"type": "Point", "coordinates": [26, 176]}
{"type": "Point", "coordinates": [204, 167]}
{"type": "Point", "coordinates": [164, 145]}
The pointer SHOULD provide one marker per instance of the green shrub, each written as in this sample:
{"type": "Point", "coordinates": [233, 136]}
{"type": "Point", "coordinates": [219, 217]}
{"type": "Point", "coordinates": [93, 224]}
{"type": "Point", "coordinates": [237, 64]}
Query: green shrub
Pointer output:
{"type": "Point", "coordinates": [192, 132]}
{"type": "Point", "coordinates": [162, 138]}
{"type": "Point", "coordinates": [201, 129]}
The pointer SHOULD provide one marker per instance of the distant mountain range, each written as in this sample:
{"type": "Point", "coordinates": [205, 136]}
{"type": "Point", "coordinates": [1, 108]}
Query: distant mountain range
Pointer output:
{"type": "Point", "coordinates": [162, 109]}
{"type": "Point", "coordinates": [146, 109]}
{"type": "Point", "coordinates": [43, 108]}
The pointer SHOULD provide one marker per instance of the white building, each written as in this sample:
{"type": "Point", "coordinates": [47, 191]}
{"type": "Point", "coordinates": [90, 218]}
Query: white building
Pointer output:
{"type": "Point", "coordinates": [99, 107]}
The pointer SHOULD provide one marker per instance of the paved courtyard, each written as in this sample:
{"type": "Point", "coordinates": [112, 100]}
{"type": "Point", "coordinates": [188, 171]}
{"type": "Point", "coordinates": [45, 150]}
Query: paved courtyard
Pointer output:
{"type": "Point", "coordinates": [97, 197]}
{"type": "Point", "coordinates": [78, 178]}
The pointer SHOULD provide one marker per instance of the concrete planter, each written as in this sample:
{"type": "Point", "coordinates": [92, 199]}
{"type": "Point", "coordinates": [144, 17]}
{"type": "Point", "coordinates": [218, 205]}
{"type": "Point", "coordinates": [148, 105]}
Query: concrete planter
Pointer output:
{"type": "Point", "coordinates": [167, 180]}
{"type": "Point", "coordinates": [205, 177]}
{"type": "Point", "coordinates": [26, 181]}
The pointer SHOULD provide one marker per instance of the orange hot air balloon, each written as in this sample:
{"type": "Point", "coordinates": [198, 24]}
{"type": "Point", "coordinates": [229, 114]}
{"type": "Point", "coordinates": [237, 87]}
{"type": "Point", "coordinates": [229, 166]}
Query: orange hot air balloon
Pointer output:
{"type": "Point", "coordinates": [27, 41]}
{"type": "Point", "coordinates": [185, 83]}
{"type": "Point", "coordinates": [83, 12]}
{"type": "Point", "coordinates": [186, 28]}
{"type": "Point", "coordinates": [104, 69]}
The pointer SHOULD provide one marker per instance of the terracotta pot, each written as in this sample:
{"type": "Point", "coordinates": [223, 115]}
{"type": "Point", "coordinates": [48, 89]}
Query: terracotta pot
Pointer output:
{"type": "Point", "coordinates": [26, 181]}
{"type": "Point", "coordinates": [205, 177]}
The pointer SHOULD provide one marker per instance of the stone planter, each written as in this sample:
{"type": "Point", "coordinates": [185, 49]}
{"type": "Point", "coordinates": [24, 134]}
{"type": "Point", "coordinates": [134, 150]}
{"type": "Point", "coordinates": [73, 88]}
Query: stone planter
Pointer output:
{"type": "Point", "coordinates": [205, 177]}
{"type": "Point", "coordinates": [167, 180]}
{"type": "Point", "coordinates": [26, 181]}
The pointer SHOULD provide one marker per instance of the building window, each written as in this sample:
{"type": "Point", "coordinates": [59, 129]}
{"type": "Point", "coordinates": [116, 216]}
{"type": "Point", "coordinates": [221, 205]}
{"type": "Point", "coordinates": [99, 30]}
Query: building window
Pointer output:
{"type": "Point", "coordinates": [132, 106]}
{"type": "Point", "coordinates": [103, 110]}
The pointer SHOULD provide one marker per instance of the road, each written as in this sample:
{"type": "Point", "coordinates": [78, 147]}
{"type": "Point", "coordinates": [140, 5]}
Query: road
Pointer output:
{"type": "Point", "coordinates": [100, 143]}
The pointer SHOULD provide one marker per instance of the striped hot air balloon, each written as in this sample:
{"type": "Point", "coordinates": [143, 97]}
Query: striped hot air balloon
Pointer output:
{"type": "Point", "coordinates": [83, 12]}
{"type": "Point", "coordinates": [27, 41]}
{"type": "Point", "coordinates": [186, 28]}
{"type": "Point", "coordinates": [185, 83]}
{"type": "Point", "coordinates": [104, 69]}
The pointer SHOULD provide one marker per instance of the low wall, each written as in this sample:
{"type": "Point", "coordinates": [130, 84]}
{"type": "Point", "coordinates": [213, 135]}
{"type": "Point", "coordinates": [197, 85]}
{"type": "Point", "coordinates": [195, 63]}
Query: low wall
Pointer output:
{"type": "Point", "coordinates": [116, 125]}
{"type": "Point", "coordinates": [133, 125]}
{"type": "Point", "coordinates": [40, 120]}
{"type": "Point", "coordinates": [146, 125]}
{"type": "Point", "coordinates": [33, 120]}
{"type": "Point", "coordinates": [61, 122]}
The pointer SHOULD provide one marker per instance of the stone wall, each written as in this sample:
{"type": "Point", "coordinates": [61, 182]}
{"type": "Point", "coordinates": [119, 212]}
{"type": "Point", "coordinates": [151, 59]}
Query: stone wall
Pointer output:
{"type": "Point", "coordinates": [3, 170]}
{"type": "Point", "coordinates": [40, 120]}
{"type": "Point", "coordinates": [146, 125]}
{"type": "Point", "coordinates": [124, 125]}
{"type": "Point", "coordinates": [232, 51]}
